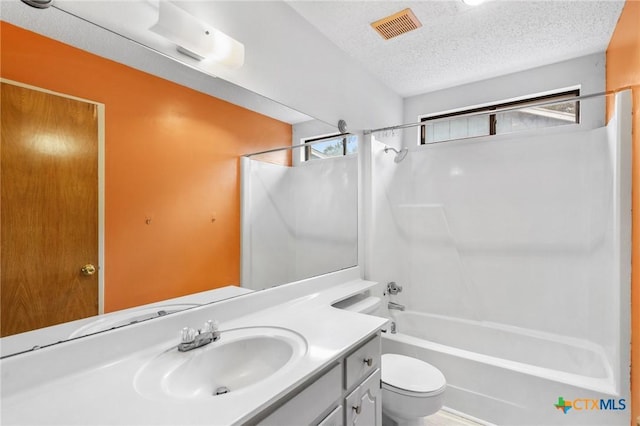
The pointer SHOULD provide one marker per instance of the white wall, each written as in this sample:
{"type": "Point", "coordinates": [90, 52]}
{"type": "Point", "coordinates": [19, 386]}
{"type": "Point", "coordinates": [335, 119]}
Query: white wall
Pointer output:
{"type": "Point", "coordinates": [291, 62]}
{"type": "Point", "coordinates": [587, 73]}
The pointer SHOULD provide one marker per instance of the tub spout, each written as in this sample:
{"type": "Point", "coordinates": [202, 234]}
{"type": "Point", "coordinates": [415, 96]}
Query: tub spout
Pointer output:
{"type": "Point", "coordinates": [394, 305]}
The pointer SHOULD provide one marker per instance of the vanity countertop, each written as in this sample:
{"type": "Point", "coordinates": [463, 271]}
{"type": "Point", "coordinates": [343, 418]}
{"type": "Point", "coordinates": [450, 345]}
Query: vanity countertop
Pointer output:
{"type": "Point", "coordinates": [101, 390]}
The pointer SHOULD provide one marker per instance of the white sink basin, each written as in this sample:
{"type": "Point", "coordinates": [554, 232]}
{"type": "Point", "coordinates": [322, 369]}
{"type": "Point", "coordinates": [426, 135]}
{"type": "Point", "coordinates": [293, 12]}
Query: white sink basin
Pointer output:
{"type": "Point", "coordinates": [241, 358]}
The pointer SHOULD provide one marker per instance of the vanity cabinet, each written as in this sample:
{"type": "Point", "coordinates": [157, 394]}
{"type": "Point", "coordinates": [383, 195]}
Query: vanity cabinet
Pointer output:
{"type": "Point", "coordinates": [334, 418]}
{"type": "Point", "coordinates": [365, 403]}
{"type": "Point", "coordinates": [306, 404]}
{"type": "Point", "coordinates": [362, 362]}
{"type": "Point", "coordinates": [363, 400]}
{"type": "Point", "coordinates": [348, 393]}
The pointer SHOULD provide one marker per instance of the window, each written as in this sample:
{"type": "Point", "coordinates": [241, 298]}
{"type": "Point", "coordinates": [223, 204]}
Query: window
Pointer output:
{"type": "Point", "coordinates": [330, 146]}
{"type": "Point", "coordinates": [525, 116]}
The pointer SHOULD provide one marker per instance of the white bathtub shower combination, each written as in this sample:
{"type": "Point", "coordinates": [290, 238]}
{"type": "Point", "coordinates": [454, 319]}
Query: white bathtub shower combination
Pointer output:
{"type": "Point", "coordinates": [297, 222]}
{"type": "Point", "coordinates": [513, 253]}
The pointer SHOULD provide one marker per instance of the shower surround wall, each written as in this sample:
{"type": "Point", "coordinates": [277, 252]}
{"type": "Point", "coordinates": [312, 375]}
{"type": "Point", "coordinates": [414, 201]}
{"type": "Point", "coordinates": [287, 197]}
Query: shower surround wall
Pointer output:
{"type": "Point", "coordinates": [515, 238]}
{"type": "Point", "coordinates": [298, 222]}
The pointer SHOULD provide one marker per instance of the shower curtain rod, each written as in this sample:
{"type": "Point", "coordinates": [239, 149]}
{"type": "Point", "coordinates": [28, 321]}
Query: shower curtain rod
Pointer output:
{"type": "Point", "coordinates": [302, 145]}
{"type": "Point", "coordinates": [493, 111]}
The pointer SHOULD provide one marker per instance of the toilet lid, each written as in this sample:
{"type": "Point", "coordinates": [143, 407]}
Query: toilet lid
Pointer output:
{"type": "Point", "coordinates": [411, 374]}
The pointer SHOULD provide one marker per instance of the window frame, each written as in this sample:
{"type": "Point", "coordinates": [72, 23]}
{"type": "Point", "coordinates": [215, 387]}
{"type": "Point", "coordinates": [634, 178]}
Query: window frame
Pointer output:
{"type": "Point", "coordinates": [560, 96]}
{"type": "Point", "coordinates": [308, 144]}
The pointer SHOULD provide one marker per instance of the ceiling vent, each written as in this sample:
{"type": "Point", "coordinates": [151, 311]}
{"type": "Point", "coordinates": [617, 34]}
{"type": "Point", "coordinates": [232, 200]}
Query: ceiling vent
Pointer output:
{"type": "Point", "coordinates": [396, 24]}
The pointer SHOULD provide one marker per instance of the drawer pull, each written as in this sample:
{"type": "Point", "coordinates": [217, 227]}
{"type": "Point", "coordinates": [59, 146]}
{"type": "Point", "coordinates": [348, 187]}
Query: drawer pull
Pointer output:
{"type": "Point", "coordinates": [357, 409]}
{"type": "Point", "coordinates": [368, 361]}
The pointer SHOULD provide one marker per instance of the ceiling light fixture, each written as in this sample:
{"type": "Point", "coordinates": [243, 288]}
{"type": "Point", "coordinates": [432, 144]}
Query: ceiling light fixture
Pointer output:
{"type": "Point", "coordinates": [197, 39]}
{"type": "Point", "coordinates": [40, 4]}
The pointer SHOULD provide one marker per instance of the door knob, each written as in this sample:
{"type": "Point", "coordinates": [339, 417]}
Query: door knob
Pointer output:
{"type": "Point", "coordinates": [88, 269]}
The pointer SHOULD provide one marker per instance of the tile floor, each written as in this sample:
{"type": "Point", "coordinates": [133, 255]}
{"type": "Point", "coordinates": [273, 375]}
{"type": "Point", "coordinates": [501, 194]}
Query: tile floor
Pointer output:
{"type": "Point", "coordinates": [445, 418]}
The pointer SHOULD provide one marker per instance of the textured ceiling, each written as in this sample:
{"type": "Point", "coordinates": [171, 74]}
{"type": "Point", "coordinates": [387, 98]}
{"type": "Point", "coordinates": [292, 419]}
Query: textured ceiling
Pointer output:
{"type": "Point", "coordinates": [458, 44]}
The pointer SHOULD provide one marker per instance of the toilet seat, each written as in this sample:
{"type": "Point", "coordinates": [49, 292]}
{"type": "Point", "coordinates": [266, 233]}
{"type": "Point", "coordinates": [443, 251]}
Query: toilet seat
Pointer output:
{"type": "Point", "coordinates": [410, 376]}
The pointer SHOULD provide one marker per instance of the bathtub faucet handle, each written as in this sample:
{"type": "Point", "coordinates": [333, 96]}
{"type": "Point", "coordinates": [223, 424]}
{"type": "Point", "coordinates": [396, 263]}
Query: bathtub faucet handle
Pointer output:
{"type": "Point", "coordinates": [393, 288]}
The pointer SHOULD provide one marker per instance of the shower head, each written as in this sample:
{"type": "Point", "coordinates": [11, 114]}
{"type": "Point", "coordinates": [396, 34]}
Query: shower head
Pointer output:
{"type": "Point", "coordinates": [399, 154]}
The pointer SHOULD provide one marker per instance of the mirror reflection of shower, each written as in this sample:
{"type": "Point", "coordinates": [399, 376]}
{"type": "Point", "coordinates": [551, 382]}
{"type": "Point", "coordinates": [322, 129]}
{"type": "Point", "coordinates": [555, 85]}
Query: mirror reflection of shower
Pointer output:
{"type": "Point", "coordinates": [399, 154]}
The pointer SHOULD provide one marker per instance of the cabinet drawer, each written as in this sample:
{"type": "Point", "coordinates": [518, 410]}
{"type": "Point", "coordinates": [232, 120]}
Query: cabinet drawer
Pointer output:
{"type": "Point", "coordinates": [362, 362]}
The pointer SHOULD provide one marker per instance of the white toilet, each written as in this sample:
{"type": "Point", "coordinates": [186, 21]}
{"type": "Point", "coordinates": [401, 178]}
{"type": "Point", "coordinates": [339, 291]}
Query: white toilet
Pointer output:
{"type": "Point", "coordinates": [411, 388]}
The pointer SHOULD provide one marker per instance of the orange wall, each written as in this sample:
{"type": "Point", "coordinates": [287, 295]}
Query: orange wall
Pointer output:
{"type": "Point", "coordinates": [623, 70]}
{"type": "Point", "coordinates": [172, 155]}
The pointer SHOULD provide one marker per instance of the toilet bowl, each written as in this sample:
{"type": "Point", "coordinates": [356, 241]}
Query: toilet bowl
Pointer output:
{"type": "Point", "coordinates": [411, 388]}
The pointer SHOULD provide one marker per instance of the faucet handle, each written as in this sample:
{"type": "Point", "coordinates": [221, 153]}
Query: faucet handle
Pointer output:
{"type": "Point", "coordinates": [393, 288]}
{"type": "Point", "coordinates": [210, 327]}
{"type": "Point", "coordinates": [187, 335]}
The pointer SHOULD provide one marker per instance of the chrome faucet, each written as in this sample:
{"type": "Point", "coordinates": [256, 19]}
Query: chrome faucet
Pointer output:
{"type": "Point", "coordinates": [191, 338]}
{"type": "Point", "coordinates": [394, 305]}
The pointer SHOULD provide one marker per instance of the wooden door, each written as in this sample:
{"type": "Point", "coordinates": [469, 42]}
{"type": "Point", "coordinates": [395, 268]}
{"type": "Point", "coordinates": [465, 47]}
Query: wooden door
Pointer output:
{"type": "Point", "coordinates": [48, 208]}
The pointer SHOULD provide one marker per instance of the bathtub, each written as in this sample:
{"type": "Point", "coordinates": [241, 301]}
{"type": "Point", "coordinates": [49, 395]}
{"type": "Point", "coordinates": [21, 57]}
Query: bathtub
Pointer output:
{"type": "Point", "coordinates": [509, 375]}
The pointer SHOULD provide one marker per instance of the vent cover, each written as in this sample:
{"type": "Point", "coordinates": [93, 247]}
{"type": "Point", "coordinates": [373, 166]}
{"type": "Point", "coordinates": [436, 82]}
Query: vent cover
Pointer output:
{"type": "Point", "coordinates": [396, 24]}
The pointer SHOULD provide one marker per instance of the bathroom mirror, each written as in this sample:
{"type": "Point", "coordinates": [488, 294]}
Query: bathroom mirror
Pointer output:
{"type": "Point", "coordinates": [171, 164]}
{"type": "Point", "coordinates": [299, 220]}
